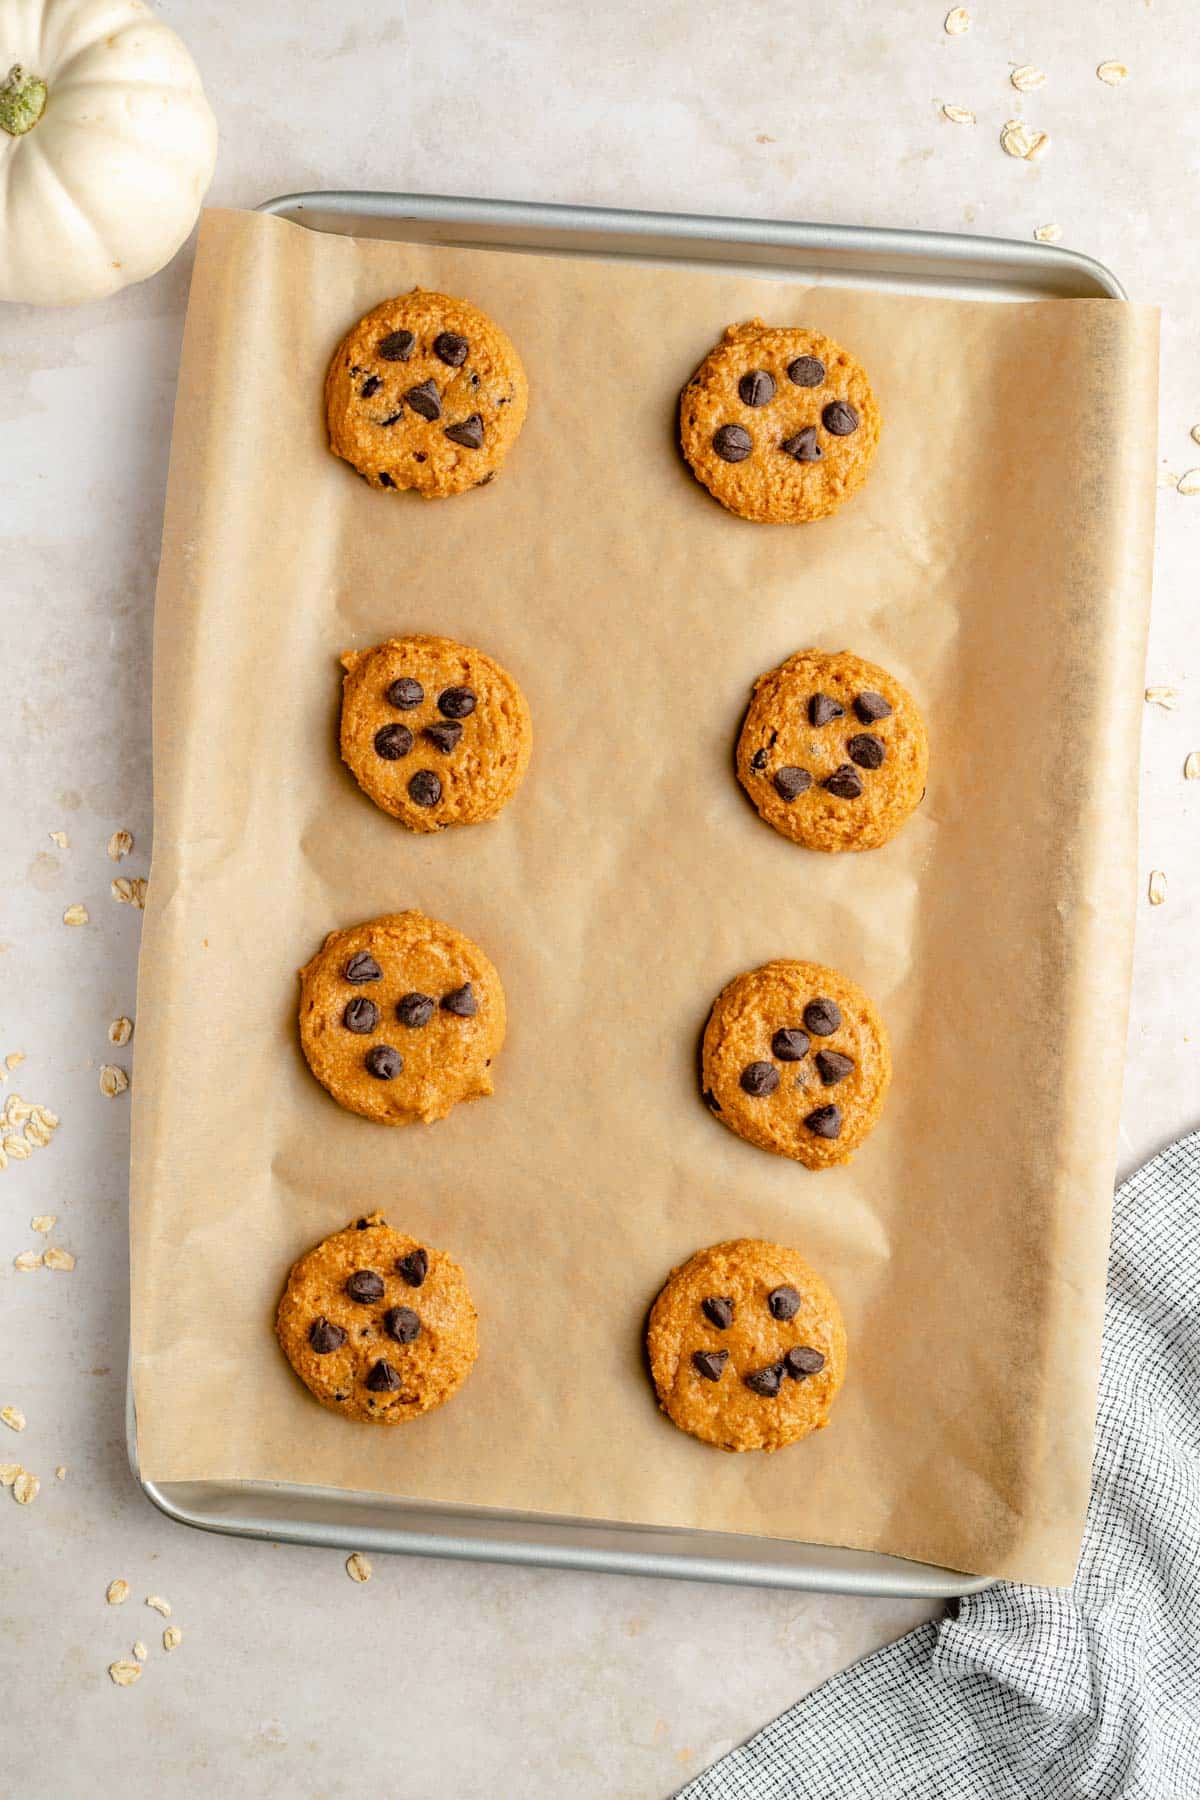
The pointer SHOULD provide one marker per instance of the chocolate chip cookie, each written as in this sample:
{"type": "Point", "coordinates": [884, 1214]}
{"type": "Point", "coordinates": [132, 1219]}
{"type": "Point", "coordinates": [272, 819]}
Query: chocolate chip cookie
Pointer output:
{"type": "Point", "coordinates": [401, 1018]}
{"type": "Point", "coordinates": [833, 751]}
{"type": "Point", "coordinates": [425, 392]}
{"type": "Point", "coordinates": [780, 424]}
{"type": "Point", "coordinates": [377, 1325]}
{"type": "Point", "coordinates": [436, 733]}
{"type": "Point", "coordinates": [747, 1346]}
{"type": "Point", "coordinates": [796, 1060]}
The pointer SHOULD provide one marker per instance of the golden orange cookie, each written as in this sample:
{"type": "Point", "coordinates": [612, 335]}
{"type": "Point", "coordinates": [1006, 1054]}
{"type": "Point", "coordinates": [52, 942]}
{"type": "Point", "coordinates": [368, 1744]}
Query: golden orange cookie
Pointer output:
{"type": "Point", "coordinates": [833, 751]}
{"type": "Point", "coordinates": [779, 423]}
{"type": "Point", "coordinates": [401, 1018]}
{"type": "Point", "coordinates": [747, 1346]}
{"type": "Point", "coordinates": [796, 1060]}
{"type": "Point", "coordinates": [378, 1326]}
{"type": "Point", "coordinates": [436, 733]}
{"type": "Point", "coordinates": [425, 392]}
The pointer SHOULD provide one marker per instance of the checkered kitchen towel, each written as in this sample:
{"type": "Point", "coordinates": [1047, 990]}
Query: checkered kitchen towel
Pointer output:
{"type": "Point", "coordinates": [1051, 1693]}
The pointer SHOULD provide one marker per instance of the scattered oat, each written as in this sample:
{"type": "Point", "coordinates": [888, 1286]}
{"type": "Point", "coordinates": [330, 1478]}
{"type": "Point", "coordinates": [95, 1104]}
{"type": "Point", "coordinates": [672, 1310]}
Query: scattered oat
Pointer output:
{"type": "Point", "coordinates": [76, 915]}
{"type": "Point", "coordinates": [120, 1031]}
{"type": "Point", "coordinates": [1163, 696]}
{"type": "Point", "coordinates": [130, 889]}
{"type": "Point", "coordinates": [14, 1059]}
{"type": "Point", "coordinates": [43, 1222]}
{"type": "Point", "coordinates": [957, 20]}
{"type": "Point", "coordinates": [9, 1473]}
{"type": "Point", "coordinates": [61, 839]}
{"type": "Point", "coordinates": [13, 1417]}
{"type": "Point", "coordinates": [125, 1674]}
{"type": "Point", "coordinates": [1017, 140]}
{"type": "Point", "coordinates": [117, 1592]}
{"type": "Point", "coordinates": [26, 1488]}
{"type": "Point", "coordinates": [1195, 433]}
{"type": "Point", "coordinates": [120, 844]}
{"type": "Point", "coordinates": [1189, 482]}
{"type": "Point", "coordinates": [27, 1260]}
{"type": "Point", "coordinates": [48, 1119]}
{"type": "Point", "coordinates": [958, 115]}
{"type": "Point", "coordinates": [1113, 73]}
{"type": "Point", "coordinates": [1191, 767]}
{"type": "Point", "coordinates": [113, 1080]}
{"type": "Point", "coordinates": [1027, 78]}
{"type": "Point", "coordinates": [159, 1604]}
{"type": "Point", "coordinates": [17, 1146]}
{"type": "Point", "coordinates": [140, 1650]}
{"type": "Point", "coordinates": [172, 1637]}
{"type": "Point", "coordinates": [56, 1258]}
{"type": "Point", "coordinates": [60, 1474]}
{"type": "Point", "coordinates": [1158, 887]}
{"type": "Point", "coordinates": [1048, 234]}
{"type": "Point", "coordinates": [763, 138]}
{"type": "Point", "coordinates": [358, 1567]}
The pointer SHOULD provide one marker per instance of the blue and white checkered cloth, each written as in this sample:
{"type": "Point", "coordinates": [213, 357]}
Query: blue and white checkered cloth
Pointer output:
{"type": "Point", "coordinates": [1028, 1693]}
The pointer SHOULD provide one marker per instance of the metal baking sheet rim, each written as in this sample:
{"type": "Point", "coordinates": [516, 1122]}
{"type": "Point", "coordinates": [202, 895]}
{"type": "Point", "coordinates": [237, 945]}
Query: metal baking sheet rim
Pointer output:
{"type": "Point", "coordinates": [340, 1519]}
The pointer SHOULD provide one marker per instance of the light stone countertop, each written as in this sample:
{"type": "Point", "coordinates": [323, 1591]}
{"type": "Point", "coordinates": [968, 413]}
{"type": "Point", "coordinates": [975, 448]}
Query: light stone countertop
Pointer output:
{"type": "Point", "coordinates": [439, 1680]}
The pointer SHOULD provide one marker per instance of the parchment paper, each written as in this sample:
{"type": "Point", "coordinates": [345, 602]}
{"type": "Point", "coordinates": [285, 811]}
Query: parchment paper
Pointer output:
{"type": "Point", "coordinates": [997, 560]}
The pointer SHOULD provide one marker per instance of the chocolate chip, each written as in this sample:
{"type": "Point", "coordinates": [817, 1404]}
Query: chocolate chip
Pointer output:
{"type": "Point", "coordinates": [718, 1311]}
{"type": "Point", "coordinates": [784, 1302]}
{"type": "Point", "coordinates": [362, 1225]}
{"type": "Point", "coordinates": [444, 734]}
{"type": "Point", "coordinates": [867, 750]}
{"type": "Point", "coordinates": [870, 706]}
{"type": "Point", "coordinates": [383, 1062]}
{"type": "Point", "coordinates": [401, 1323]}
{"type": "Point", "coordinates": [405, 693]}
{"type": "Point", "coordinates": [414, 1010]}
{"type": "Point", "coordinates": [822, 1017]}
{"type": "Point", "coordinates": [802, 1360]}
{"type": "Point", "coordinates": [457, 702]}
{"type": "Point", "coordinates": [468, 432]}
{"type": "Point", "coordinates": [365, 1286]}
{"type": "Point", "coordinates": [826, 1122]}
{"type": "Point", "coordinates": [803, 448]}
{"type": "Point", "coordinates": [393, 418]}
{"type": "Point", "coordinates": [414, 1267]}
{"type": "Point", "coordinates": [711, 1101]}
{"type": "Point", "coordinates": [392, 742]}
{"type": "Point", "coordinates": [425, 788]}
{"type": "Point", "coordinates": [756, 388]}
{"type": "Point", "coordinates": [845, 782]}
{"type": "Point", "coordinates": [397, 346]}
{"type": "Point", "coordinates": [732, 443]}
{"type": "Point", "coordinates": [789, 1045]}
{"type": "Point", "coordinates": [325, 1337]}
{"type": "Point", "coordinates": [839, 418]}
{"type": "Point", "coordinates": [759, 760]}
{"type": "Point", "coordinates": [710, 1363]}
{"type": "Point", "coordinates": [370, 386]}
{"type": "Point", "coordinates": [424, 400]}
{"type": "Point", "coordinates": [766, 1382]}
{"type": "Point", "coordinates": [759, 1078]}
{"type": "Point", "coordinates": [449, 348]}
{"type": "Point", "coordinates": [791, 782]}
{"type": "Point", "coordinates": [832, 1067]}
{"type": "Point", "coordinates": [383, 1379]}
{"type": "Point", "coordinates": [807, 371]}
{"type": "Point", "coordinates": [361, 1015]}
{"type": "Point", "coordinates": [362, 967]}
{"type": "Point", "coordinates": [461, 1002]}
{"type": "Point", "coordinates": [823, 708]}
{"type": "Point", "coordinates": [385, 479]}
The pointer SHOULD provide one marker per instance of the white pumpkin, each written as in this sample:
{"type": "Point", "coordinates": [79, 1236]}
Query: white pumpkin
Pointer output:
{"type": "Point", "coordinates": [107, 146]}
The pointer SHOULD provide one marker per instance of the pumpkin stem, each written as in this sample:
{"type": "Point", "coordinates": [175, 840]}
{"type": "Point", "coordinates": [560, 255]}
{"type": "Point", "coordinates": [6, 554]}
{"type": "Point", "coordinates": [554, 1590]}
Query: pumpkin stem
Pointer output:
{"type": "Point", "coordinates": [22, 101]}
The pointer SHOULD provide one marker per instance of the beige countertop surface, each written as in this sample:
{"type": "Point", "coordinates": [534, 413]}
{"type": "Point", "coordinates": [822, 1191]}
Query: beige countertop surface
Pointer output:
{"type": "Point", "coordinates": [436, 1679]}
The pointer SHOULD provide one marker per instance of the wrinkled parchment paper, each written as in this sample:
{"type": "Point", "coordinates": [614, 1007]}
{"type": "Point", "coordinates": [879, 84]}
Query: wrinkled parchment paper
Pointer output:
{"type": "Point", "coordinates": [997, 561]}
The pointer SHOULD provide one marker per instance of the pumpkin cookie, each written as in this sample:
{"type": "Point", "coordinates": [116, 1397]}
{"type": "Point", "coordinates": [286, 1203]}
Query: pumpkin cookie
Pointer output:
{"type": "Point", "coordinates": [425, 392]}
{"type": "Point", "coordinates": [779, 424]}
{"type": "Point", "coordinates": [796, 1060]}
{"type": "Point", "coordinates": [378, 1326]}
{"type": "Point", "coordinates": [747, 1346]}
{"type": "Point", "coordinates": [833, 751]}
{"type": "Point", "coordinates": [400, 1018]}
{"type": "Point", "coordinates": [436, 733]}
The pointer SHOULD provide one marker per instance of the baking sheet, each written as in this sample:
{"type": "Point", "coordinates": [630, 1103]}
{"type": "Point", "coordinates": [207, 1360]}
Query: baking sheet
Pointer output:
{"type": "Point", "coordinates": [997, 561]}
